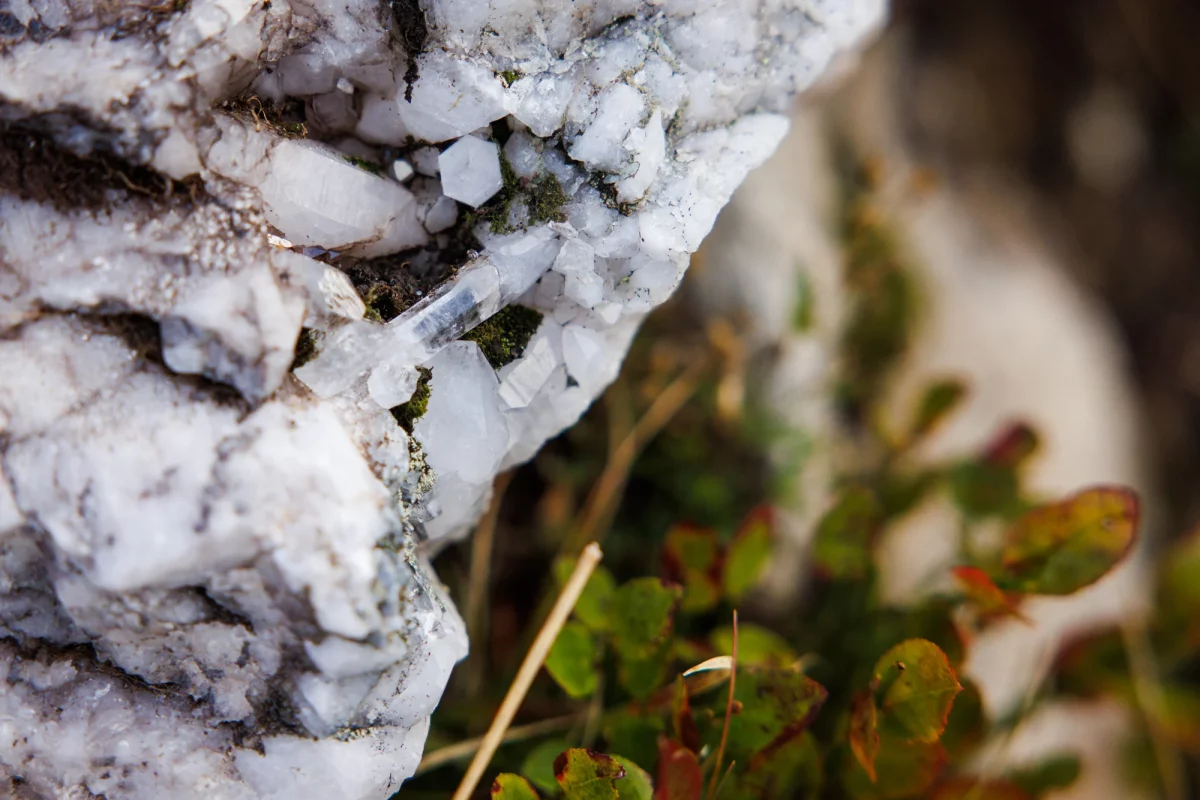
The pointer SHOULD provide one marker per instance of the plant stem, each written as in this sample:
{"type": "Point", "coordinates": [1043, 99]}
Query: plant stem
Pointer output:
{"type": "Point", "coordinates": [716, 774]}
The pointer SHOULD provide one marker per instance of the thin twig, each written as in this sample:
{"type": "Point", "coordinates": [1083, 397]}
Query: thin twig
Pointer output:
{"type": "Point", "coordinates": [725, 777]}
{"type": "Point", "coordinates": [716, 774]}
{"type": "Point", "coordinates": [1143, 669]}
{"type": "Point", "coordinates": [478, 586]}
{"type": "Point", "coordinates": [534, 659]}
{"type": "Point", "coordinates": [465, 749]}
{"type": "Point", "coordinates": [598, 509]}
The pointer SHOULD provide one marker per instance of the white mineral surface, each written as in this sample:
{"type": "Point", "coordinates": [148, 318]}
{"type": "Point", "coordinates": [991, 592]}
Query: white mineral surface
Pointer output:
{"type": "Point", "coordinates": [213, 559]}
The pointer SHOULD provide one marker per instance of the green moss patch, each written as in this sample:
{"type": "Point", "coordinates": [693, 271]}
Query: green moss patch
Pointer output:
{"type": "Point", "coordinates": [407, 414]}
{"type": "Point", "coordinates": [503, 337]}
{"type": "Point", "coordinates": [306, 347]}
{"type": "Point", "coordinates": [544, 196]}
{"type": "Point", "coordinates": [364, 164]}
{"type": "Point", "coordinates": [546, 200]}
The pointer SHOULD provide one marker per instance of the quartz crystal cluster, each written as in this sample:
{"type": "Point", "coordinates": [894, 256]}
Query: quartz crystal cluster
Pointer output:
{"type": "Point", "coordinates": [247, 253]}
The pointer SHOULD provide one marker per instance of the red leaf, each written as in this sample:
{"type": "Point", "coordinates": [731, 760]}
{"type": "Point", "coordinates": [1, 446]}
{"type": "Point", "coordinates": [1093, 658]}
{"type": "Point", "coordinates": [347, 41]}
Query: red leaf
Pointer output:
{"type": "Point", "coordinates": [679, 776]}
{"type": "Point", "coordinates": [1014, 445]}
{"type": "Point", "coordinates": [864, 733]}
{"type": "Point", "coordinates": [682, 719]}
{"type": "Point", "coordinates": [988, 598]}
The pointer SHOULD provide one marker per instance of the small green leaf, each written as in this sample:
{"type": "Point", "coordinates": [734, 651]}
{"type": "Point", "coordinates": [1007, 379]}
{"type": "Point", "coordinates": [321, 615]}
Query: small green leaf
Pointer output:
{"type": "Point", "coordinates": [903, 770]}
{"type": "Point", "coordinates": [1054, 773]}
{"type": "Point", "coordinates": [981, 490]}
{"type": "Point", "coordinates": [748, 553]}
{"type": "Point", "coordinates": [635, 736]}
{"type": "Point", "coordinates": [939, 400]}
{"type": "Point", "coordinates": [572, 660]}
{"type": "Point", "coordinates": [988, 599]}
{"type": "Point", "coordinates": [593, 607]}
{"type": "Point", "coordinates": [538, 766]}
{"type": "Point", "coordinates": [864, 732]}
{"type": "Point", "coordinates": [967, 724]}
{"type": "Point", "coordinates": [679, 775]}
{"type": "Point", "coordinates": [914, 689]}
{"type": "Point", "coordinates": [691, 558]}
{"type": "Point", "coordinates": [587, 775]}
{"type": "Point", "coordinates": [793, 770]}
{"type": "Point", "coordinates": [777, 705]}
{"type": "Point", "coordinates": [643, 611]}
{"type": "Point", "coordinates": [900, 492]}
{"type": "Point", "coordinates": [1062, 547]}
{"type": "Point", "coordinates": [636, 784]}
{"type": "Point", "coordinates": [512, 787]}
{"type": "Point", "coordinates": [990, 485]}
{"type": "Point", "coordinates": [842, 548]}
{"type": "Point", "coordinates": [757, 646]}
{"type": "Point", "coordinates": [688, 651]}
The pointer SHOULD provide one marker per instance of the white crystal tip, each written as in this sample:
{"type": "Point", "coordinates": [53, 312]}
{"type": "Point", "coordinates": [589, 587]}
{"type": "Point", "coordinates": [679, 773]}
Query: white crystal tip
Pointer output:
{"type": "Point", "coordinates": [471, 171]}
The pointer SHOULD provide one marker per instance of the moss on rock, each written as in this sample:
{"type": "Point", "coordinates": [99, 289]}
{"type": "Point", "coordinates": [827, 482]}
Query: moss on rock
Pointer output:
{"type": "Point", "coordinates": [306, 348]}
{"type": "Point", "coordinates": [503, 337]}
{"type": "Point", "coordinates": [546, 200]}
{"type": "Point", "coordinates": [407, 414]}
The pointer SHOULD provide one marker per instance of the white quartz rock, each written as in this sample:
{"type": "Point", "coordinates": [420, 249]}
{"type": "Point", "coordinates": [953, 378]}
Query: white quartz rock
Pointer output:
{"type": "Point", "coordinates": [200, 547]}
{"type": "Point", "coordinates": [463, 432]}
{"type": "Point", "coordinates": [583, 349]}
{"type": "Point", "coordinates": [315, 196]}
{"type": "Point", "coordinates": [602, 143]}
{"type": "Point", "coordinates": [248, 555]}
{"type": "Point", "coordinates": [331, 296]}
{"type": "Point", "coordinates": [576, 261]}
{"type": "Point", "coordinates": [470, 170]}
{"type": "Point", "coordinates": [442, 215]}
{"type": "Point", "coordinates": [527, 375]}
{"type": "Point", "coordinates": [541, 102]}
{"type": "Point", "coordinates": [649, 146]}
{"type": "Point", "coordinates": [425, 160]}
{"type": "Point", "coordinates": [456, 97]}
{"type": "Point", "coordinates": [203, 268]}
{"type": "Point", "coordinates": [391, 384]}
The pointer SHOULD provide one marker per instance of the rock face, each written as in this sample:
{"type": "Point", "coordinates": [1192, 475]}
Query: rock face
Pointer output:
{"type": "Point", "coordinates": [235, 413]}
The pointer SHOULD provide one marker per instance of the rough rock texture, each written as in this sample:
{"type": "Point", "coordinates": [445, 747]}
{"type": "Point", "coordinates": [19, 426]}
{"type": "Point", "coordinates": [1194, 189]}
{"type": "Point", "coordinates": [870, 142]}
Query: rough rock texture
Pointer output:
{"type": "Point", "coordinates": [235, 418]}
